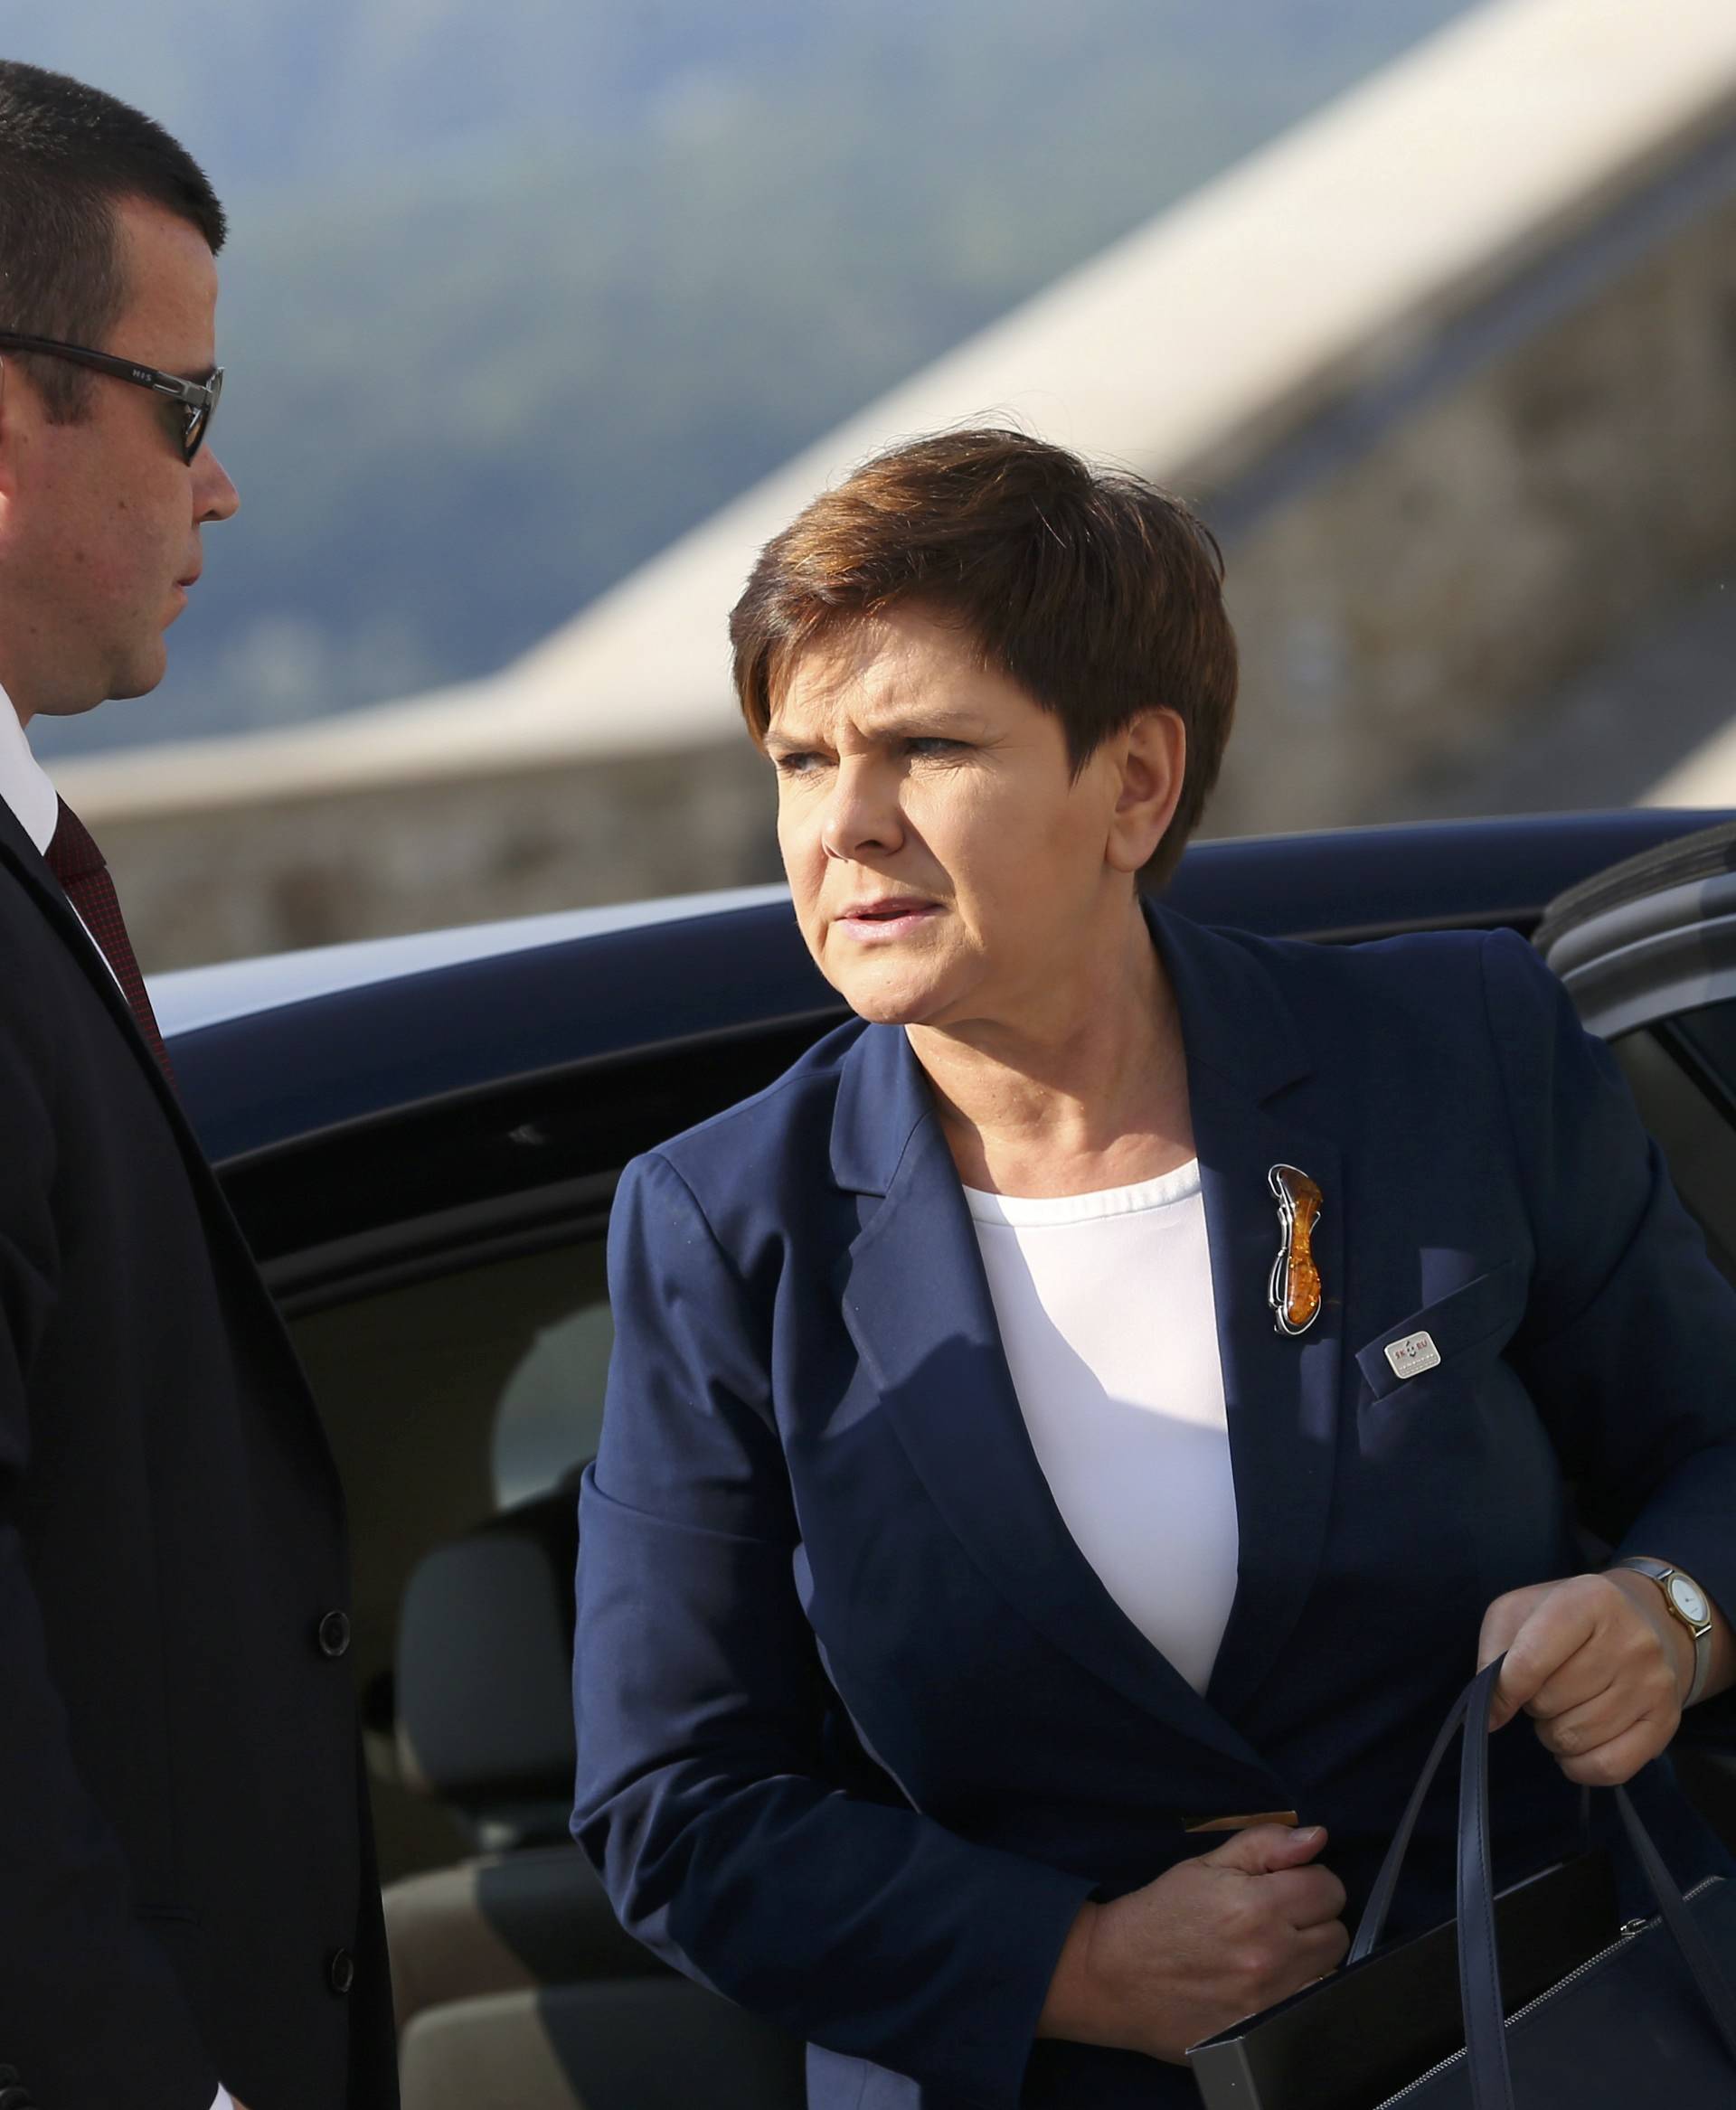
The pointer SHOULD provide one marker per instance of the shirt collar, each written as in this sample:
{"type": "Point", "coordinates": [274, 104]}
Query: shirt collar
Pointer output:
{"type": "Point", "coordinates": [24, 786]}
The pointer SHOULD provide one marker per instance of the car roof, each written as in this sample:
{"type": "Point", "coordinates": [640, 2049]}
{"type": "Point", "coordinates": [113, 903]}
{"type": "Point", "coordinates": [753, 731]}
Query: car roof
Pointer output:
{"type": "Point", "coordinates": [269, 1051]}
{"type": "Point", "coordinates": [190, 999]}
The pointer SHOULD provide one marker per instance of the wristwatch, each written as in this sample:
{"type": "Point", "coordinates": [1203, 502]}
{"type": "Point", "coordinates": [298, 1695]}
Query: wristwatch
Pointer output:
{"type": "Point", "coordinates": [1688, 1603]}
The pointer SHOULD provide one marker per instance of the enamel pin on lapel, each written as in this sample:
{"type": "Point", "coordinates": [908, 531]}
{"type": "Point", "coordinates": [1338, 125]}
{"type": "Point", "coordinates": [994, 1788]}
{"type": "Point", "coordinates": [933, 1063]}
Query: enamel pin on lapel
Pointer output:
{"type": "Point", "coordinates": [1295, 1291]}
{"type": "Point", "coordinates": [1411, 1356]}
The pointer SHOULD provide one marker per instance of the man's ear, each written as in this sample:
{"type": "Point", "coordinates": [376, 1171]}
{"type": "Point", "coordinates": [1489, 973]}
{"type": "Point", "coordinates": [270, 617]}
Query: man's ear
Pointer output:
{"type": "Point", "coordinates": [20, 418]}
{"type": "Point", "coordinates": [1153, 758]}
{"type": "Point", "coordinates": [7, 430]}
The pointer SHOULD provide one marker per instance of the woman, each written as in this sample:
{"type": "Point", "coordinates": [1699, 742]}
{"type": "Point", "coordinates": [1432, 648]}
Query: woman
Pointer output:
{"type": "Point", "coordinates": [1012, 1609]}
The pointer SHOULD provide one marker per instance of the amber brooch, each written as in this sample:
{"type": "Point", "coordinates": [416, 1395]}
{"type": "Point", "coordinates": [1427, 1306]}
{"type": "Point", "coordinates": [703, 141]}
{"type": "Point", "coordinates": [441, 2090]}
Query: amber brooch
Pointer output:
{"type": "Point", "coordinates": [1295, 1291]}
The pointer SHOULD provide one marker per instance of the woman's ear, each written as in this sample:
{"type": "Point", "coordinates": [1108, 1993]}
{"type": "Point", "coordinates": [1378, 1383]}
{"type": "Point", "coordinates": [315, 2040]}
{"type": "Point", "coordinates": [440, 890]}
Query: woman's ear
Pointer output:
{"type": "Point", "coordinates": [1153, 763]}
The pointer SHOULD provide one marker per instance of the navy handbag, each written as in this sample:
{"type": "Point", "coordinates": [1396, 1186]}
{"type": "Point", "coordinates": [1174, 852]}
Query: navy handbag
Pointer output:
{"type": "Point", "coordinates": [1652, 2018]}
{"type": "Point", "coordinates": [1556, 2009]}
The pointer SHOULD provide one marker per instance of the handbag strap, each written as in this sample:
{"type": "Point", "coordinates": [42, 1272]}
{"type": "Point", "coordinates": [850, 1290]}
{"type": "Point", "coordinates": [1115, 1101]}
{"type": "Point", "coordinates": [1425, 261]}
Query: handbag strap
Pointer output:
{"type": "Point", "coordinates": [1479, 1968]}
{"type": "Point", "coordinates": [1707, 1973]}
{"type": "Point", "coordinates": [1373, 1924]}
{"type": "Point", "coordinates": [1479, 1958]}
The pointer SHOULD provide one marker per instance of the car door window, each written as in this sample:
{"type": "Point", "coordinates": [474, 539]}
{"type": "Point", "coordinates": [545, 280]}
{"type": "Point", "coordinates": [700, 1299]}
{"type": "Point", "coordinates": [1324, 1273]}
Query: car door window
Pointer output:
{"type": "Point", "coordinates": [447, 1399]}
{"type": "Point", "coordinates": [550, 1412]}
{"type": "Point", "coordinates": [1682, 1071]}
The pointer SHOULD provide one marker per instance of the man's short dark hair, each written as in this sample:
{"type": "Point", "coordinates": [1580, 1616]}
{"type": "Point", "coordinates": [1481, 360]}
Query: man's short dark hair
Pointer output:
{"type": "Point", "coordinates": [1098, 594]}
{"type": "Point", "coordinates": [69, 155]}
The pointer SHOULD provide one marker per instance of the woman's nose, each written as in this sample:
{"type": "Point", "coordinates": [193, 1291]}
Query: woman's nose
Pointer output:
{"type": "Point", "coordinates": [861, 813]}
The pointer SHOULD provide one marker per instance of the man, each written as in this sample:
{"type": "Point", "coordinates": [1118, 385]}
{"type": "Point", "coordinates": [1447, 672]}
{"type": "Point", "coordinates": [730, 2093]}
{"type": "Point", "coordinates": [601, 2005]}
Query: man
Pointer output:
{"type": "Point", "coordinates": [188, 1899]}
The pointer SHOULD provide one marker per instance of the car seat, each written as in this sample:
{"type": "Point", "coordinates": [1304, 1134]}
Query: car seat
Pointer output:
{"type": "Point", "coordinates": [513, 1980]}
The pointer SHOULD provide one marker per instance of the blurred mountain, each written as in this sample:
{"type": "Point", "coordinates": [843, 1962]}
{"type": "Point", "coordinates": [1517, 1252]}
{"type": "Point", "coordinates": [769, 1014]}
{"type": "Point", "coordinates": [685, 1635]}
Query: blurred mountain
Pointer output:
{"type": "Point", "coordinates": [520, 290]}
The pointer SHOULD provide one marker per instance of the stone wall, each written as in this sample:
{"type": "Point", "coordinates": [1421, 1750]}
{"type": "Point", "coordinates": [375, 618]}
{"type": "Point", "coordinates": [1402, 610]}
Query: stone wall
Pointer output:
{"type": "Point", "coordinates": [227, 882]}
{"type": "Point", "coordinates": [1410, 618]}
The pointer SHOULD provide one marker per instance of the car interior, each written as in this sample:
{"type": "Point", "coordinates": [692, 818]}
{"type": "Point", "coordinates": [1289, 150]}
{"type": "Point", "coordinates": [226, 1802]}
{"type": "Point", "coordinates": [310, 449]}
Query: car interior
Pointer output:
{"type": "Point", "coordinates": [455, 1327]}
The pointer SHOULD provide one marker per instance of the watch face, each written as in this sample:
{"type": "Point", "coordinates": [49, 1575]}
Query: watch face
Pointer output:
{"type": "Point", "coordinates": [1689, 1600]}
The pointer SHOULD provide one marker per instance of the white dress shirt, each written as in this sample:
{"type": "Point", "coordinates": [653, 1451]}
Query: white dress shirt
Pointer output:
{"type": "Point", "coordinates": [23, 782]}
{"type": "Point", "coordinates": [35, 805]}
{"type": "Point", "coordinates": [1107, 1317]}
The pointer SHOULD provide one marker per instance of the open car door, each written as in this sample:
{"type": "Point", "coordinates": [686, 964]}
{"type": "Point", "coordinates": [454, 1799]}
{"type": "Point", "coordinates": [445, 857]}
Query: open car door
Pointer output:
{"type": "Point", "coordinates": [1647, 952]}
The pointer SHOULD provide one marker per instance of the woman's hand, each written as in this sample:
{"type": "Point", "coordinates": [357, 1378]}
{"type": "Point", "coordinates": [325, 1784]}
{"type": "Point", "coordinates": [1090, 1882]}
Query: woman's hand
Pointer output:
{"type": "Point", "coordinates": [1211, 1940]}
{"type": "Point", "coordinates": [1599, 1664]}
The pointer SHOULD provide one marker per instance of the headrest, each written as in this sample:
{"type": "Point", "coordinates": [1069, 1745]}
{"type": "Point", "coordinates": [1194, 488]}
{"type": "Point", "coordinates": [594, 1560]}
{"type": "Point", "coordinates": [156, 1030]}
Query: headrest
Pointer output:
{"type": "Point", "coordinates": [485, 1661]}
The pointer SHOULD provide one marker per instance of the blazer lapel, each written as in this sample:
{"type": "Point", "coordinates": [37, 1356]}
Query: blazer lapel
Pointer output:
{"type": "Point", "coordinates": [1244, 1052]}
{"type": "Point", "coordinates": [917, 1303]}
{"type": "Point", "coordinates": [20, 854]}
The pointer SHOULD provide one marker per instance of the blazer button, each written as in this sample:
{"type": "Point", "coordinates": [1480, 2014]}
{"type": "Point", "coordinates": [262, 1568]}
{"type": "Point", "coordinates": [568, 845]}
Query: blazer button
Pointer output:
{"type": "Point", "coordinates": [334, 1633]}
{"type": "Point", "coordinates": [340, 1972]}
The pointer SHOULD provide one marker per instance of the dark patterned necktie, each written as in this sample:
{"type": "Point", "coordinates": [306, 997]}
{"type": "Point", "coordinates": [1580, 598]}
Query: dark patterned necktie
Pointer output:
{"type": "Point", "coordinates": [76, 862]}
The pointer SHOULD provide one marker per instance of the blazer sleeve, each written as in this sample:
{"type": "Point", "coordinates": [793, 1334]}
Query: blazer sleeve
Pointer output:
{"type": "Point", "coordinates": [92, 2012]}
{"type": "Point", "coordinates": [704, 1796]}
{"type": "Point", "coordinates": [1628, 1344]}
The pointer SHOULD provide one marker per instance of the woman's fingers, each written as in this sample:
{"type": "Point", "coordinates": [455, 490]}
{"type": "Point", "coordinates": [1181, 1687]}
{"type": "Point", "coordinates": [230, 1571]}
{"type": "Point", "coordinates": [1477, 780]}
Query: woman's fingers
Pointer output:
{"type": "Point", "coordinates": [1264, 1847]}
{"type": "Point", "coordinates": [1320, 1949]}
{"type": "Point", "coordinates": [1644, 1701]}
{"type": "Point", "coordinates": [1611, 1764]}
{"type": "Point", "coordinates": [1503, 1620]}
{"type": "Point", "coordinates": [1307, 1897]}
{"type": "Point", "coordinates": [1586, 1678]}
{"type": "Point", "coordinates": [1219, 1936]}
{"type": "Point", "coordinates": [1298, 1889]}
{"type": "Point", "coordinates": [1593, 1669]}
{"type": "Point", "coordinates": [1538, 1630]}
{"type": "Point", "coordinates": [1573, 1731]}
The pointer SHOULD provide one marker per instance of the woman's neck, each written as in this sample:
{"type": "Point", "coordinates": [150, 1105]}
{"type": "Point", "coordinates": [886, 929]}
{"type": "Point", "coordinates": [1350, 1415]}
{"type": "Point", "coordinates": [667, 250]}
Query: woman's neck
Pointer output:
{"type": "Point", "coordinates": [1088, 1091]}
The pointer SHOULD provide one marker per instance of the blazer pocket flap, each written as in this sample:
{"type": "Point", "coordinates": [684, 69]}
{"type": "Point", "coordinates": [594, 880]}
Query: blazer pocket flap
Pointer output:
{"type": "Point", "coordinates": [1486, 1304]}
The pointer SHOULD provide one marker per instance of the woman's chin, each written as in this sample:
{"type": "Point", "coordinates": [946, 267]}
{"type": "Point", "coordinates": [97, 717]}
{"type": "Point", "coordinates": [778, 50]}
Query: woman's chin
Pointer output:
{"type": "Point", "coordinates": [880, 1010]}
{"type": "Point", "coordinates": [889, 1000]}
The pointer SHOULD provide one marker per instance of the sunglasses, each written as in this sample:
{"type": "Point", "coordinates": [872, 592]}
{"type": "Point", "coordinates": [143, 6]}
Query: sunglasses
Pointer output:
{"type": "Point", "coordinates": [195, 400]}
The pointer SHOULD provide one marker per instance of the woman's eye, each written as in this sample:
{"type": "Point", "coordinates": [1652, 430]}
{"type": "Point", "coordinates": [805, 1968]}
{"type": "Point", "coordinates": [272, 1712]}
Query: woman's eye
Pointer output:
{"type": "Point", "coordinates": [793, 765]}
{"type": "Point", "coordinates": [933, 745]}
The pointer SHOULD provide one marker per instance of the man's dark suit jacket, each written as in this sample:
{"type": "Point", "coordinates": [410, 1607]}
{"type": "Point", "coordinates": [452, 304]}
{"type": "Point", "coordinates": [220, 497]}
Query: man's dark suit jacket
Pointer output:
{"type": "Point", "coordinates": [184, 1852]}
{"type": "Point", "coordinates": [859, 1727]}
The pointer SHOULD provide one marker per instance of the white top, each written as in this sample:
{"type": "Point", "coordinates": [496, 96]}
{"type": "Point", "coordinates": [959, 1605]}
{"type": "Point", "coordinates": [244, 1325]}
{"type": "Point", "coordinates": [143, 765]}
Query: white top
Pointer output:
{"type": "Point", "coordinates": [35, 805]}
{"type": "Point", "coordinates": [1107, 1317]}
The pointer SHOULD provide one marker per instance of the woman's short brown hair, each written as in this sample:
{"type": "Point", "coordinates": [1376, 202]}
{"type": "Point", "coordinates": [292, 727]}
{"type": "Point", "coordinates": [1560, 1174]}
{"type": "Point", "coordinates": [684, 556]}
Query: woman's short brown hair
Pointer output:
{"type": "Point", "coordinates": [1098, 594]}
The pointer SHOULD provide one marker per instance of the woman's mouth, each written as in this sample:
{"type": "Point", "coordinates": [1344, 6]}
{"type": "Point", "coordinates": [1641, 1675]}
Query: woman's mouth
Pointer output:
{"type": "Point", "coordinates": [878, 922]}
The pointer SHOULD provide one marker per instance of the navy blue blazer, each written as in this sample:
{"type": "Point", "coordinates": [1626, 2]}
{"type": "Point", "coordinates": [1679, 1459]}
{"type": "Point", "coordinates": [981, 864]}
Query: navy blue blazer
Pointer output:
{"type": "Point", "coordinates": [859, 1729]}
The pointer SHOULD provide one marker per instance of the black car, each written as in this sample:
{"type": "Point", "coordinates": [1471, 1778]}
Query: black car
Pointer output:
{"type": "Point", "coordinates": [421, 1136]}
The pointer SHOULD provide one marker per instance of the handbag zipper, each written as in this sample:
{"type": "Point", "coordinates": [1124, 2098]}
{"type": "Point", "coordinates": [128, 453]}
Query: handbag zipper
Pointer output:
{"type": "Point", "coordinates": [1629, 1929]}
